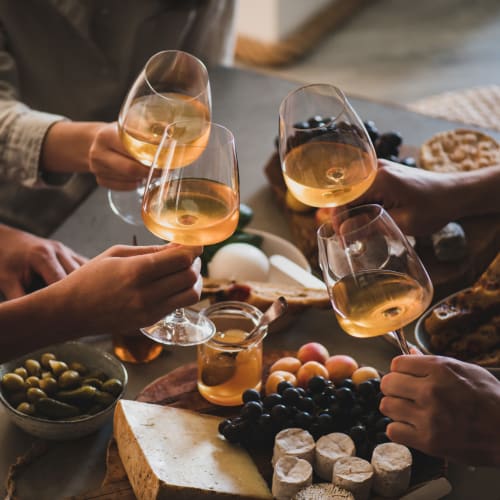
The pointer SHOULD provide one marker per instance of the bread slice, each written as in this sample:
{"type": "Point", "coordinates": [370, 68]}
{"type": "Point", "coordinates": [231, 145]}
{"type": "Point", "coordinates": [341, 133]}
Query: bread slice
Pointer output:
{"type": "Point", "coordinates": [263, 294]}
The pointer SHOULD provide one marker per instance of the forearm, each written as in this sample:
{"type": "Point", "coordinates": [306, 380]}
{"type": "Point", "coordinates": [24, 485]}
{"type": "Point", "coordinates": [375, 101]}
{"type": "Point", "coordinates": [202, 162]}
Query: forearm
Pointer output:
{"type": "Point", "coordinates": [33, 321]}
{"type": "Point", "coordinates": [478, 192]}
{"type": "Point", "coordinates": [66, 146]}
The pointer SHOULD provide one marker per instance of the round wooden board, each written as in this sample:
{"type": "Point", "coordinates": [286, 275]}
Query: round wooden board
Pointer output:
{"type": "Point", "coordinates": [178, 388]}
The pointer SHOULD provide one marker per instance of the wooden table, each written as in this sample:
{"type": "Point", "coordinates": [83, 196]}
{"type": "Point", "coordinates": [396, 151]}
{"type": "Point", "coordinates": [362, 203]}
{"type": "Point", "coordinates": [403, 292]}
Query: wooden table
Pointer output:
{"type": "Point", "coordinates": [247, 103]}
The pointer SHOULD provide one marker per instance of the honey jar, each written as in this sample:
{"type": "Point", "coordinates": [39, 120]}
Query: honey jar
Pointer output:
{"type": "Point", "coordinates": [227, 366]}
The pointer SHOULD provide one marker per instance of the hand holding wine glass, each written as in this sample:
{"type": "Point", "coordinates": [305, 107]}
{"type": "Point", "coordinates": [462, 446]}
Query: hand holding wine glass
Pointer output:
{"type": "Point", "coordinates": [376, 281]}
{"type": "Point", "coordinates": [191, 198]}
{"type": "Point", "coordinates": [173, 86]}
{"type": "Point", "coordinates": [326, 154]}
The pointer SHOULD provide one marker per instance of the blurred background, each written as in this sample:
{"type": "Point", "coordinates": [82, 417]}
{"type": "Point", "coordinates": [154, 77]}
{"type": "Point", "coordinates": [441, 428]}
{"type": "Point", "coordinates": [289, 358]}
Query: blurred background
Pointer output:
{"type": "Point", "coordinates": [401, 51]}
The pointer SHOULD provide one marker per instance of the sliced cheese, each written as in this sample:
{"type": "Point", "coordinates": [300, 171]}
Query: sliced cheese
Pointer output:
{"type": "Point", "coordinates": [392, 469]}
{"type": "Point", "coordinates": [355, 475]}
{"type": "Point", "coordinates": [329, 449]}
{"type": "Point", "coordinates": [173, 453]}
{"type": "Point", "coordinates": [293, 442]}
{"type": "Point", "coordinates": [290, 475]}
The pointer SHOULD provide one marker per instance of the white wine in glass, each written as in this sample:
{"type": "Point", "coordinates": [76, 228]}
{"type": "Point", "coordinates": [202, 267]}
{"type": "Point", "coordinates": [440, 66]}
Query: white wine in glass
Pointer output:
{"type": "Point", "coordinates": [376, 281]}
{"type": "Point", "coordinates": [326, 154]}
{"type": "Point", "coordinates": [173, 86]}
{"type": "Point", "coordinates": [197, 204]}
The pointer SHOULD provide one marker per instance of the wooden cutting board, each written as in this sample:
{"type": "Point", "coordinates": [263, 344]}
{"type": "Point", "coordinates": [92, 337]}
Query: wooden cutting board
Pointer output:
{"type": "Point", "coordinates": [178, 388]}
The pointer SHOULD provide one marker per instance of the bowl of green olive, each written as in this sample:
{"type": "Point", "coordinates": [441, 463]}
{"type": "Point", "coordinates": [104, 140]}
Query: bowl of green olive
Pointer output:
{"type": "Point", "coordinates": [64, 391]}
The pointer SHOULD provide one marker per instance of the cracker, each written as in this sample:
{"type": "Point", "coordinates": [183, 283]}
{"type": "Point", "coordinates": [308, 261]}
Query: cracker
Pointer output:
{"type": "Point", "coordinates": [459, 150]}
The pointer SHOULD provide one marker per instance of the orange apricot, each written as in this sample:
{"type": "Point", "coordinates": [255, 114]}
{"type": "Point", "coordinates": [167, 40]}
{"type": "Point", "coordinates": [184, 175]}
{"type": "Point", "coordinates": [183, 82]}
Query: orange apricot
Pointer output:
{"type": "Point", "coordinates": [309, 370]}
{"type": "Point", "coordinates": [276, 377]}
{"type": "Point", "coordinates": [287, 364]}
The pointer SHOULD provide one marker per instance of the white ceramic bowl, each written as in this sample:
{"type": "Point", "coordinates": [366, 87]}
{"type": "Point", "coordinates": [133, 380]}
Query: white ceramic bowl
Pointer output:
{"type": "Point", "coordinates": [422, 337]}
{"type": "Point", "coordinates": [91, 357]}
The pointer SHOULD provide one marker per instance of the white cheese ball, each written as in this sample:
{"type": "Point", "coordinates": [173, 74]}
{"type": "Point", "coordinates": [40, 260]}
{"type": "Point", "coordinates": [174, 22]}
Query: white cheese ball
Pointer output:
{"type": "Point", "coordinates": [239, 261]}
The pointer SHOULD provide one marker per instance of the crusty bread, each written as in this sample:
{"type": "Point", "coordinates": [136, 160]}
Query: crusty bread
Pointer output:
{"type": "Point", "coordinates": [459, 150]}
{"type": "Point", "coordinates": [263, 294]}
{"type": "Point", "coordinates": [467, 325]}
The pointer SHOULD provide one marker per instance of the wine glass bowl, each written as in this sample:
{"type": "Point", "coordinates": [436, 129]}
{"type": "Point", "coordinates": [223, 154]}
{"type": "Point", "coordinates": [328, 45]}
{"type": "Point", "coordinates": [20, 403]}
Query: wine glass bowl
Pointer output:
{"type": "Point", "coordinates": [376, 281]}
{"type": "Point", "coordinates": [173, 86]}
{"type": "Point", "coordinates": [326, 154]}
{"type": "Point", "coordinates": [191, 198]}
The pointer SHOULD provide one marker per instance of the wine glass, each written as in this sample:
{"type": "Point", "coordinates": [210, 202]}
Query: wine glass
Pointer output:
{"type": "Point", "coordinates": [326, 154]}
{"type": "Point", "coordinates": [173, 86]}
{"type": "Point", "coordinates": [377, 283]}
{"type": "Point", "coordinates": [191, 198]}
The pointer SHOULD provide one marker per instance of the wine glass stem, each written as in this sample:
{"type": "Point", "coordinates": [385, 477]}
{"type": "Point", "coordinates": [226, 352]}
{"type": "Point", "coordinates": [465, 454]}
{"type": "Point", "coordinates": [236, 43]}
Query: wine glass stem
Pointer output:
{"type": "Point", "coordinates": [399, 336]}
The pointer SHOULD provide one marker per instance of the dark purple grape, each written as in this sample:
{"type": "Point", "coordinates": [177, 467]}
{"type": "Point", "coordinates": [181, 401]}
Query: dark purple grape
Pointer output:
{"type": "Point", "coordinates": [232, 433]}
{"type": "Point", "coordinates": [382, 423]}
{"type": "Point", "coordinates": [347, 382]}
{"type": "Point", "coordinates": [252, 410]}
{"type": "Point", "coordinates": [358, 433]}
{"type": "Point", "coordinates": [316, 121]}
{"type": "Point", "coordinates": [372, 130]}
{"type": "Point", "coordinates": [391, 139]}
{"type": "Point", "coordinates": [284, 384]}
{"type": "Point", "coordinates": [394, 158]}
{"type": "Point", "coordinates": [381, 437]}
{"type": "Point", "coordinates": [316, 384]}
{"type": "Point", "coordinates": [306, 404]}
{"type": "Point", "coordinates": [345, 396]}
{"type": "Point", "coordinates": [250, 395]}
{"type": "Point", "coordinates": [291, 396]}
{"type": "Point", "coordinates": [325, 422]}
{"type": "Point", "coordinates": [265, 422]}
{"type": "Point", "coordinates": [301, 391]}
{"type": "Point", "coordinates": [272, 400]}
{"type": "Point", "coordinates": [366, 389]}
{"type": "Point", "coordinates": [301, 125]}
{"type": "Point", "coordinates": [356, 411]}
{"type": "Point", "coordinates": [222, 425]}
{"type": "Point", "coordinates": [329, 389]}
{"type": "Point", "coordinates": [279, 413]}
{"type": "Point", "coordinates": [376, 383]}
{"type": "Point", "coordinates": [303, 419]}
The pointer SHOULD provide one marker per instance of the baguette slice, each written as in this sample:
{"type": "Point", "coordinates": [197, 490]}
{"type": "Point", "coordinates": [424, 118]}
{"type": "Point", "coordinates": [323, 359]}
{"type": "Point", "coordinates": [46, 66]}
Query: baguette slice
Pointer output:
{"type": "Point", "coordinates": [263, 294]}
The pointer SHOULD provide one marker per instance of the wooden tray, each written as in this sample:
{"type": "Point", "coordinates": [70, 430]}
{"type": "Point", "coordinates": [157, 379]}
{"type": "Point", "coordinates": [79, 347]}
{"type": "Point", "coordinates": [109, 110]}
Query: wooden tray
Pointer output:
{"type": "Point", "coordinates": [178, 388]}
{"type": "Point", "coordinates": [483, 238]}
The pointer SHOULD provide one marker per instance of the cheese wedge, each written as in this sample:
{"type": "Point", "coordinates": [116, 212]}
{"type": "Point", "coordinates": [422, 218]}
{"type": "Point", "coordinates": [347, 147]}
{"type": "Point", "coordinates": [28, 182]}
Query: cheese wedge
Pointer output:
{"type": "Point", "coordinates": [173, 453]}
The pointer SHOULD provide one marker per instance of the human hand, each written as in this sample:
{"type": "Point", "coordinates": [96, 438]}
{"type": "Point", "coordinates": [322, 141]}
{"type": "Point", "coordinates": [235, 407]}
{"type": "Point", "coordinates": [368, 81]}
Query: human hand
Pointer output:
{"type": "Point", "coordinates": [418, 200]}
{"type": "Point", "coordinates": [443, 407]}
{"type": "Point", "coordinates": [126, 288]}
{"type": "Point", "coordinates": [23, 256]}
{"type": "Point", "coordinates": [112, 166]}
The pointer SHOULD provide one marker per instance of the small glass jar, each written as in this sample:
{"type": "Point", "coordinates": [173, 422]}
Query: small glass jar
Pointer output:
{"type": "Point", "coordinates": [226, 368]}
{"type": "Point", "coordinates": [135, 347]}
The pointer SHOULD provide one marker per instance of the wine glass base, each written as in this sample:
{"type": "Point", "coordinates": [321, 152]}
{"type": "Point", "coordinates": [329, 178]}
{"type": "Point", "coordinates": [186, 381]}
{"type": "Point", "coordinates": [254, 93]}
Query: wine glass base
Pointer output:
{"type": "Point", "coordinates": [189, 329]}
{"type": "Point", "coordinates": [127, 205]}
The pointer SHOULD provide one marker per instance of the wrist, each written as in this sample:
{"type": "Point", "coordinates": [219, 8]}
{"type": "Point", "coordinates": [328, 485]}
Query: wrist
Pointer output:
{"type": "Point", "coordinates": [66, 146]}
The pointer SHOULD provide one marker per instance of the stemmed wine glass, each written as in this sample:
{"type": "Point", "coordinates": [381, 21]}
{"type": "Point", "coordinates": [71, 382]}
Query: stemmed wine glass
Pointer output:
{"type": "Point", "coordinates": [326, 154]}
{"type": "Point", "coordinates": [191, 198]}
{"type": "Point", "coordinates": [173, 86]}
{"type": "Point", "coordinates": [377, 283]}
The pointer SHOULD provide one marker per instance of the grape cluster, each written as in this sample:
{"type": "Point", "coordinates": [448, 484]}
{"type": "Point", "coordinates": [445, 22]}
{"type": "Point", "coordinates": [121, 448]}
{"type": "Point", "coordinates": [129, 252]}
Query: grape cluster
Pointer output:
{"type": "Point", "coordinates": [322, 408]}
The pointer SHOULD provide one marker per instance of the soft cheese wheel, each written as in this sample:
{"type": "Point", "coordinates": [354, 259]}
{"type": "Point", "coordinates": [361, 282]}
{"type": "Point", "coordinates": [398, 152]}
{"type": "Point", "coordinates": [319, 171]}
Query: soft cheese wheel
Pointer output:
{"type": "Point", "coordinates": [323, 491]}
{"type": "Point", "coordinates": [293, 442]}
{"type": "Point", "coordinates": [391, 469]}
{"type": "Point", "coordinates": [290, 475]}
{"type": "Point", "coordinates": [329, 449]}
{"type": "Point", "coordinates": [355, 475]}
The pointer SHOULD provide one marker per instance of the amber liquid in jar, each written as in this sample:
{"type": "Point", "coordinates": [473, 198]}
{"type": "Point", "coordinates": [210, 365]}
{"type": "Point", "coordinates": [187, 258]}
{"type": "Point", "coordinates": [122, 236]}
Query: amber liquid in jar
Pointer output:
{"type": "Point", "coordinates": [225, 372]}
{"type": "Point", "coordinates": [135, 348]}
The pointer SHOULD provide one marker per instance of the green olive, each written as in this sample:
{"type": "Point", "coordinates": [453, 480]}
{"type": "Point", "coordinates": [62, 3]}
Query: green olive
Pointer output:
{"type": "Point", "coordinates": [16, 398]}
{"type": "Point", "coordinates": [80, 396]}
{"type": "Point", "coordinates": [68, 379]}
{"type": "Point", "coordinates": [22, 372]}
{"type": "Point", "coordinates": [13, 382]}
{"type": "Point", "coordinates": [45, 358]}
{"type": "Point", "coordinates": [104, 398]}
{"type": "Point", "coordinates": [78, 367]}
{"type": "Point", "coordinates": [113, 386]}
{"type": "Point", "coordinates": [52, 408]}
{"type": "Point", "coordinates": [32, 381]}
{"type": "Point", "coordinates": [34, 394]}
{"type": "Point", "coordinates": [33, 367]}
{"type": "Point", "coordinates": [46, 374]}
{"type": "Point", "coordinates": [94, 382]}
{"type": "Point", "coordinates": [99, 374]}
{"type": "Point", "coordinates": [57, 367]}
{"type": "Point", "coordinates": [49, 385]}
{"type": "Point", "coordinates": [27, 408]}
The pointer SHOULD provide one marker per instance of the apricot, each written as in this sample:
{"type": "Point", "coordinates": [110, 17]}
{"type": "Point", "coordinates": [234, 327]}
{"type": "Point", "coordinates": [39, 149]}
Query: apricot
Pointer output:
{"type": "Point", "coordinates": [313, 351]}
{"type": "Point", "coordinates": [309, 370]}
{"type": "Point", "coordinates": [364, 373]}
{"type": "Point", "coordinates": [287, 364]}
{"type": "Point", "coordinates": [340, 367]}
{"type": "Point", "coordinates": [276, 377]}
